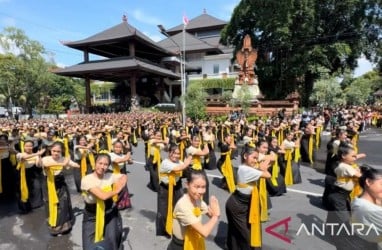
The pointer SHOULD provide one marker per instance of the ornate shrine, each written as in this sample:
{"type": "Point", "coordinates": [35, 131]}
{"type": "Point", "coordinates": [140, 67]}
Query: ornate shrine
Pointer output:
{"type": "Point", "coordinates": [246, 58]}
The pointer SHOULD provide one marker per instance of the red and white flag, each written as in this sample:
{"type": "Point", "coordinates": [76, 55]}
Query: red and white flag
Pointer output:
{"type": "Point", "coordinates": [185, 20]}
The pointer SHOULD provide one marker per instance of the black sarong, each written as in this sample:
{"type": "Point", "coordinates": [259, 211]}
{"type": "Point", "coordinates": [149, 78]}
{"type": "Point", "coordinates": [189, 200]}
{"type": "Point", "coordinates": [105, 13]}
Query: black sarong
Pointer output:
{"type": "Point", "coordinates": [239, 233]}
{"type": "Point", "coordinates": [162, 205]}
{"type": "Point", "coordinates": [112, 229]}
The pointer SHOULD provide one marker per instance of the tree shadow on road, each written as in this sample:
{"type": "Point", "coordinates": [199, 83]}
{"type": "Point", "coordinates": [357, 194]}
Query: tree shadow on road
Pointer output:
{"type": "Point", "coordinates": [316, 201]}
{"type": "Point", "coordinates": [309, 222]}
{"type": "Point", "coordinates": [8, 208]}
{"type": "Point", "coordinates": [151, 215]}
{"type": "Point", "coordinates": [319, 182]}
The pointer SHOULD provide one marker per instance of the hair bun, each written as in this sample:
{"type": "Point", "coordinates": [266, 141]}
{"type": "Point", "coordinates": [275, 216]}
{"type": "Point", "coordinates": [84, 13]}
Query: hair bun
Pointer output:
{"type": "Point", "coordinates": [365, 168]}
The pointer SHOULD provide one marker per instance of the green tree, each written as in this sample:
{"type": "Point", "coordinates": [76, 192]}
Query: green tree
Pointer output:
{"type": "Point", "coordinates": [10, 78]}
{"type": "Point", "coordinates": [244, 98]}
{"type": "Point", "coordinates": [360, 90]}
{"type": "Point", "coordinates": [56, 105]}
{"type": "Point", "coordinates": [28, 74]}
{"type": "Point", "coordinates": [195, 99]}
{"type": "Point", "coordinates": [297, 39]}
{"type": "Point", "coordinates": [328, 93]}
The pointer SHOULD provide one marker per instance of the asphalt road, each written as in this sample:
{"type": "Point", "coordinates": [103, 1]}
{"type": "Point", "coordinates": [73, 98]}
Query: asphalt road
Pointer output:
{"type": "Point", "coordinates": [299, 209]}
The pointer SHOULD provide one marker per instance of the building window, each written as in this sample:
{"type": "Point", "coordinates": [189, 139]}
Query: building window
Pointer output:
{"type": "Point", "coordinates": [216, 68]}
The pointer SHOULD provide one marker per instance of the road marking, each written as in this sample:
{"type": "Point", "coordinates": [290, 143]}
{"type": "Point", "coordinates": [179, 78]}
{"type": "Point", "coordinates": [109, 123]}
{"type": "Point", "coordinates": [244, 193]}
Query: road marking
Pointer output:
{"type": "Point", "coordinates": [214, 175]}
{"type": "Point", "coordinates": [304, 192]}
{"type": "Point", "coordinates": [139, 162]}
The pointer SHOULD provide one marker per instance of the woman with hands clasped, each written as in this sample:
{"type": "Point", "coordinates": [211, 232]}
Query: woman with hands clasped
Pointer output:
{"type": "Point", "coordinates": [243, 206]}
{"type": "Point", "coordinates": [30, 178]}
{"type": "Point", "coordinates": [339, 199]}
{"type": "Point", "coordinates": [83, 155]}
{"type": "Point", "coordinates": [102, 223]}
{"type": "Point", "coordinates": [188, 232]}
{"type": "Point", "coordinates": [119, 159]}
{"type": "Point", "coordinates": [61, 216]}
{"type": "Point", "coordinates": [170, 189]}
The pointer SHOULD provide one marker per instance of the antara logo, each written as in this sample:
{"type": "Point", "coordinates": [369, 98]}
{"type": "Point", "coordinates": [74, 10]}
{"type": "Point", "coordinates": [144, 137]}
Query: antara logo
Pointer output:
{"type": "Point", "coordinates": [322, 229]}
{"type": "Point", "coordinates": [285, 223]}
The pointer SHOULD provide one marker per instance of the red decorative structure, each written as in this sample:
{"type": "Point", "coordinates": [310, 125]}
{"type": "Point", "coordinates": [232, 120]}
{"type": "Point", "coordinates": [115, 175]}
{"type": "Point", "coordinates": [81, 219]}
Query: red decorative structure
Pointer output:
{"type": "Point", "coordinates": [246, 57]}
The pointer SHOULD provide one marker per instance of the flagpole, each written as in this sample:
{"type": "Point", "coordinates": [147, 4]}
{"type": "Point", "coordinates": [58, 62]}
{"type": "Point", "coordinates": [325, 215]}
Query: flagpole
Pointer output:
{"type": "Point", "coordinates": [183, 87]}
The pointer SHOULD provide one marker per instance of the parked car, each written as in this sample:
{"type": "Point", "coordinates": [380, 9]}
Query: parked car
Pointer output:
{"type": "Point", "coordinates": [17, 110]}
{"type": "Point", "coordinates": [3, 112]}
{"type": "Point", "coordinates": [165, 107]}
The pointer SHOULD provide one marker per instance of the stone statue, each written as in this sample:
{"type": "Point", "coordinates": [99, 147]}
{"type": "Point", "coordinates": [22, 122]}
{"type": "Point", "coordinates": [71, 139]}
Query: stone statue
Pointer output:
{"type": "Point", "coordinates": [246, 58]}
{"type": "Point", "coordinates": [134, 103]}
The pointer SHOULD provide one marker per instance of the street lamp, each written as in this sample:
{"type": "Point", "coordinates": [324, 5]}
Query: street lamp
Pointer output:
{"type": "Point", "coordinates": [182, 73]}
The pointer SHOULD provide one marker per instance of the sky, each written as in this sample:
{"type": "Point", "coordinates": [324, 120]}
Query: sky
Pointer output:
{"type": "Point", "coordinates": [51, 22]}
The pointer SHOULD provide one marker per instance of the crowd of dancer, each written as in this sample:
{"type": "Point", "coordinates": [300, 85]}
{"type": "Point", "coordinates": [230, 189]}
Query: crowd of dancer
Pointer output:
{"type": "Point", "coordinates": [37, 155]}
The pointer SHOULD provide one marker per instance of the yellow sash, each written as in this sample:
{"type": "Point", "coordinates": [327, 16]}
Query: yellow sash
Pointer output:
{"type": "Point", "coordinates": [96, 146]}
{"type": "Point", "coordinates": [52, 194]}
{"type": "Point", "coordinates": [192, 239]}
{"type": "Point", "coordinates": [12, 159]}
{"type": "Point", "coordinates": [134, 138]}
{"type": "Point", "coordinates": [23, 182]}
{"type": "Point", "coordinates": [139, 130]}
{"type": "Point", "coordinates": [157, 158]}
{"type": "Point", "coordinates": [66, 146]}
{"type": "Point", "coordinates": [254, 215]}
{"type": "Point", "coordinates": [310, 149]}
{"type": "Point", "coordinates": [182, 146]}
{"type": "Point", "coordinates": [357, 190]}
{"type": "Point", "coordinates": [263, 199]}
{"type": "Point", "coordinates": [280, 136]}
{"type": "Point", "coordinates": [197, 163]}
{"type": "Point", "coordinates": [84, 163]}
{"type": "Point", "coordinates": [318, 135]}
{"type": "Point", "coordinates": [354, 142]}
{"type": "Point", "coordinates": [100, 217]}
{"type": "Point", "coordinates": [91, 160]}
{"type": "Point", "coordinates": [108, 140]}
{"type": "Point", "coordinates": [116, 168]}
{"type": "Point", "coordinates": [148, 149]}
{"type": "Point", "coordinates": [171, 183]}
{"type": "Point", "coordinates": [297, 154]}
{"type": "Point", "coordinates": [275, 172]}
{"type": "Point", "coordinates": [374, 120]}
{"type": "Point", "coordinates": [164, 131]}
{"type": "Point", "coordinates": [288, 168]}
{"type": "Point", "coordinates": [227, 171]}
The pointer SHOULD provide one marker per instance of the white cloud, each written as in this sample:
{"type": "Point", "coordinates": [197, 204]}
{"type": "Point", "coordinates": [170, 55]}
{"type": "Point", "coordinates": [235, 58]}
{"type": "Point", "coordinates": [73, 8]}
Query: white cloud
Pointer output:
{"type": "Point", "coordinates": [145, 18]}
